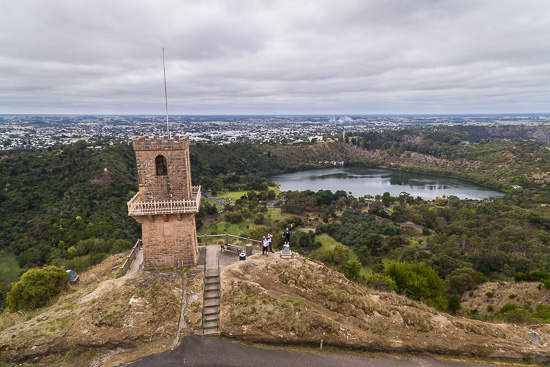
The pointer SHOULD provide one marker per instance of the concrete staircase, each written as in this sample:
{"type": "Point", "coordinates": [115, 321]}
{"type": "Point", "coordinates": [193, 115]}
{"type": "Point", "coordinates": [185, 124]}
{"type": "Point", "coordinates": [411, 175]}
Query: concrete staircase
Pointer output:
{"type": "Point", "coordinates": [211, 295]}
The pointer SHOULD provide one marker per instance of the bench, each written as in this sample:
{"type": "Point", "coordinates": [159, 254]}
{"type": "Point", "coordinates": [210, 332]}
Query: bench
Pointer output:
{"type": "Point", "coordinates": [228, 247]}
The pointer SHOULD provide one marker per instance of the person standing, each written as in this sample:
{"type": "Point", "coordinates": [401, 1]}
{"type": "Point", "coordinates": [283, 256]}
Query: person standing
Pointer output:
{"type": "Point", "coordinates": [286, 236]}
{"type": "Point", "coordinates": [265, 243]}
{"type": "Point", "coordinates": [270, 241]}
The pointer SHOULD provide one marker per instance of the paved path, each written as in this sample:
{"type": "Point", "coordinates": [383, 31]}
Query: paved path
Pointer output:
{"type": "Point", "coordinates": [136, 264]}
{"type": "Point", "coordinates": [212, 252]}
{"type": "Point", "coordinates": [210, 197]}
{"type": "Point", "coordinates": [201, 351]}
{"type": "Point", "coordinates": [275, 202]}
{"type": "Point", "coordinates": [416, 226]}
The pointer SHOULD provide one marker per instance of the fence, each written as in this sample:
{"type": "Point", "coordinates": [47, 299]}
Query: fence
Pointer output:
{"type": "Point", "coordinates": [130, 258]}
{"type": "Point", "coordinates": [226, 236]}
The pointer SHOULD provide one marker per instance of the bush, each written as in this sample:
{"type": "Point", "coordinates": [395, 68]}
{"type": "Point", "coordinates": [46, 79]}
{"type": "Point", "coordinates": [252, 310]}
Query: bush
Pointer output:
{"type": "Point", "coordinates": [352, 270]}
{"type": "Point", "coordinates": [381, 282]}
{"type": "Point", "coordinates": [490, 308]}
{"type": "Point", "coordinates": [454, 303]}
{"type": "Point", "coordinates": [36, 288]}
{"type": "Point", "coordinates": [533, 276]}
{"type": "Point", "coordinates": [543, 312]}
{"type": "Point", "coordinates": [338, 255]}
{"type": "Point", "coordinates": [465, 279]}
{"type": "Point", "coordinates": [508, 307]}
{"type": "Point", "coordinates": [490, 294]}
{"type": "Point", "coordinates": [419, 282]}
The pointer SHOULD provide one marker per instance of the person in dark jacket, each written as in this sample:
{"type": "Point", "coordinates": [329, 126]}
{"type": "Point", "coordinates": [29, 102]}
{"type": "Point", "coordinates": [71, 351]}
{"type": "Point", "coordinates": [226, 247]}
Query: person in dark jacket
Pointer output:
{"type": "Point", "coordinates": [286, 236]}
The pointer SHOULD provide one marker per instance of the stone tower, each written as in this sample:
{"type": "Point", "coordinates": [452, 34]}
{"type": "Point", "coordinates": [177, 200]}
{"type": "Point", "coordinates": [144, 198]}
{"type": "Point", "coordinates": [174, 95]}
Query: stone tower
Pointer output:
{"type": "Point", "coordinates": [166, 203]}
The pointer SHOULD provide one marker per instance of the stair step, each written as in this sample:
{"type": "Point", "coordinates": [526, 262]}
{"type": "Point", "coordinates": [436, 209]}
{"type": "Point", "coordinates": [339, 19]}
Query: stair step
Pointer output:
{"type": "Point", "coordinates": [211, 281]}
{"type": "Point", "coordinates": [211, 295]}
{"type": "Point", "coordinates": [212, 302]}
{"type": "Point", "coordinates": [211, 325]}
{"type": "Point", "coordinates": [211, 317]}
{"type": "Point", "coordinates": [212, 310]}
{"type": "Point", "coordinates": [211, 332]}
{"type": "Point", "coordinates": [211, 287]}
{"type": "Point", "coordinates": [211, 273]}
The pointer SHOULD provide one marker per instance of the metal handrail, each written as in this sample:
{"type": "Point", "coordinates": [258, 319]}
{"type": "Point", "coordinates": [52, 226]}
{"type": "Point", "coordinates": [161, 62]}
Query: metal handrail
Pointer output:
{"type": "Point", "coordinates": [226, 235]}
{"type": "Point", "coordinates": [204, 295]}
{"type": "Point", "coordinates": [219, 296]}
{"type": "Point", "coordinates": [130, 258]}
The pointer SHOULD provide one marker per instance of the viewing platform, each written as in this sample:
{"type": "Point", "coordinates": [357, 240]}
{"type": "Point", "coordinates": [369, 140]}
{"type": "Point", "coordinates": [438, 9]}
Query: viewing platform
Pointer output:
{"type": "Point", "coordinates": [137, 206]}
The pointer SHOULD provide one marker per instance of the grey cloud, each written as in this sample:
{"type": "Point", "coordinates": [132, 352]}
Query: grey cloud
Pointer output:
{"type": "Point", "coordinates": [310, 56]}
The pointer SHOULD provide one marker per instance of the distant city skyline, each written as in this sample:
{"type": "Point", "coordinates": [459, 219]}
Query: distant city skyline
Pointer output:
{"type": "Point", "coordinates": [312, 57]}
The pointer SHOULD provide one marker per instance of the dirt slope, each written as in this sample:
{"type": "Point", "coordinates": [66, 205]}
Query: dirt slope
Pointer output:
{"type": "Point", "coordinates": [497, 294]}
{"type": "Point", "coordinates": [107, 320]}
{"type": "Point", "coordinates": [272, 300]}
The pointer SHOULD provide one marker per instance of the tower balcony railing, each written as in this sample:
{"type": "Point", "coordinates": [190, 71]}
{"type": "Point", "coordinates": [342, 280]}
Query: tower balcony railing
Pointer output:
{"type": "Point", "coordinates": [152, 207]}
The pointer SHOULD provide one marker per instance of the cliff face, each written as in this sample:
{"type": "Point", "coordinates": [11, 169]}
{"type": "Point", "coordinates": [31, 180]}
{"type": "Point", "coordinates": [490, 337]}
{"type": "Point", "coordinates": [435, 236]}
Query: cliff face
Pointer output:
{"type": "Point", "coordinates": [268, 299]}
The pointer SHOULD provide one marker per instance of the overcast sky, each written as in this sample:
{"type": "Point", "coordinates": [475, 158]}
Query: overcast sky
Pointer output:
{"type": "Point", "coordinates": [275, 57]}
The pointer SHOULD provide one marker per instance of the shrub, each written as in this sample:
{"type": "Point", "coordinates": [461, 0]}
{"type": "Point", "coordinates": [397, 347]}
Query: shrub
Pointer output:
{"type": "Point", "coordinates": [36, 288]}
{"type": "Point", "coordinates": [490, 294]}
{"type": "Point", "coordinates": [465, 279]}
{"type": "Point", "coordinates": [516, 315]}
{"type": "Point", "coordinates": [381, 282]}
{"type": "Point", "coordinates": [490, 308]}
{"type": "Point", "coordinates": [508, 307]}
{"type": "Point", "coordinates": [454, 303]}
{"type": "Point", "coordinates": [532, 276]}
{"type": "Point", "coordinates": [543, 312]}
{"type": "Point", "coordinates": [338, 255]}
{"type": "Point", "coordinates": [419, 282]}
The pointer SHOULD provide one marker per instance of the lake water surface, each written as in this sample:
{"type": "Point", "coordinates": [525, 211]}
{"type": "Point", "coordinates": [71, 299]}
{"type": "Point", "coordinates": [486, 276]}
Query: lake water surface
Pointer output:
{"type": "Point", "coordinates": [363, 180]}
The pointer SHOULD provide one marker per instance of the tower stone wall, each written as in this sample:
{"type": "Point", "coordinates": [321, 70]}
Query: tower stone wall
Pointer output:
{"type": "Point", "coordinates": [168, 242]}
{"type": "Point", "coordinates": [169, 237]}
{"type": "Point", "coordinates": [176, 184]}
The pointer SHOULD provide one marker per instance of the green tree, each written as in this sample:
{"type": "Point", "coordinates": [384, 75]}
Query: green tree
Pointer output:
{"type": "Point", "coordinates": [454, 303]}
{"type": "Point", "coordinates": [36, 288]}
{"type": "Point", "coordinates": [419, 282]}
{"type": "Point", "coordinates": [352, 269]}
{"type": "Point", "coordinates": [464, 279]}
{"type": "Point", "coordinates": [334, 257]}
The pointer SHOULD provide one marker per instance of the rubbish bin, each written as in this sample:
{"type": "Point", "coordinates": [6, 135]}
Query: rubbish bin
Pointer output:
{"type": "Point", "coordinates": [242, 256]}
{"type": "Point", "coordinates": [248, 249]}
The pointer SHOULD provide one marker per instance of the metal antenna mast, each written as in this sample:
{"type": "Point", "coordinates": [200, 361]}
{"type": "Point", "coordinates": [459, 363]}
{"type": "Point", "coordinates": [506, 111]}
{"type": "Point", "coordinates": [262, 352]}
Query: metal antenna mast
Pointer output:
{"type": "Point", "coordinates": [165, 93]}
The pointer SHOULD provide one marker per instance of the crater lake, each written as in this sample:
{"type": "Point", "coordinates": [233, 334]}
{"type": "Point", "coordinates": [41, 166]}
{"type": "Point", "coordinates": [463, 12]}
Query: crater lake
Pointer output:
{"type": "Point", "coordinates": [375, 181]}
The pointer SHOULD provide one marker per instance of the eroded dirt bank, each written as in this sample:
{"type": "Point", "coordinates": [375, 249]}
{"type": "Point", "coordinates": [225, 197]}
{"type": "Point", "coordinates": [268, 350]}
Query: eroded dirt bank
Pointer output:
{"type": "Point", "coordinates": [108, 320]}
{"type": "Point", "coordinates": [268, 299]}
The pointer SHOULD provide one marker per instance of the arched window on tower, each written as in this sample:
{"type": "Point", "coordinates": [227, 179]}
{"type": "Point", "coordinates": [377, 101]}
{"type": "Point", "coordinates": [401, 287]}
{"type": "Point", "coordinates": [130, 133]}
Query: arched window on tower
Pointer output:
{"type": "Point", "coordinates": [160, 166]}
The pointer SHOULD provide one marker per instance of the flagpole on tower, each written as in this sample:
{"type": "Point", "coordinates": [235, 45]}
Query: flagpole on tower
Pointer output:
{"type": "Point", "coordinates": [165, 94]}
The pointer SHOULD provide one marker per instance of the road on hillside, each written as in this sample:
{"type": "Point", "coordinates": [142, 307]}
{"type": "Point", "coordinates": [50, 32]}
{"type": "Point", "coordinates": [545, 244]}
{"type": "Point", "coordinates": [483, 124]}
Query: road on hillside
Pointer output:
{"type": "Point", "coordinates": [199, 351]}
{"type": "Point", "coordinates": [205, 195]}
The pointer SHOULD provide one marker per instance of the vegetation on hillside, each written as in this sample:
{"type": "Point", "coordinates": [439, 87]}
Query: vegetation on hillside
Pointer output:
{"type": "Point", "coordinates": [66, 205]}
